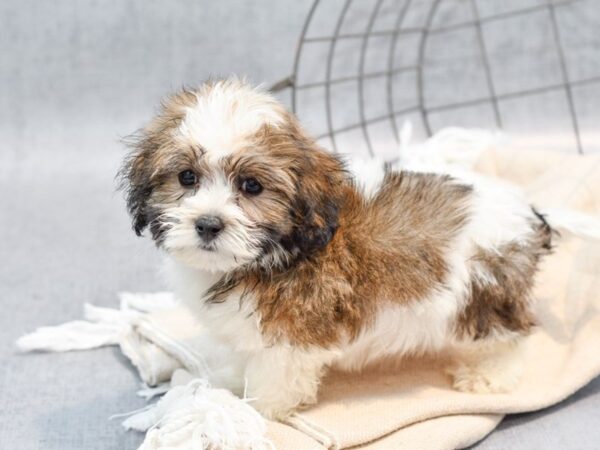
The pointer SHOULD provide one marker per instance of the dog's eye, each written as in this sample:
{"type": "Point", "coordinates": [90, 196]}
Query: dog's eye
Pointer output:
{"type": "Point", "coordinates": [251, 186]}
{"type": "Point", "coordinates": [188, 178]}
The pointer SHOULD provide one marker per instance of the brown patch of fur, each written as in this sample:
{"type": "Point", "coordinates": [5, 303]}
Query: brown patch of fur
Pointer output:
{"type": "Point", "coordinates": [502, 303]}
{"type": "Point", "coordinates": [386, 249]}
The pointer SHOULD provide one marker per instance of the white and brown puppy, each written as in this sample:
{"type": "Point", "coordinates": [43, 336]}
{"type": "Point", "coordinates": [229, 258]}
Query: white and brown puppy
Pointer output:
{"type": "Point", "coordinates": [290, 263]}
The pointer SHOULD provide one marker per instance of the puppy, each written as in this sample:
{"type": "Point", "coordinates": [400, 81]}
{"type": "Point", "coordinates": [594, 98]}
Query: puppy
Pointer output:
{"type": "Point", "coordinates": [289, 262]}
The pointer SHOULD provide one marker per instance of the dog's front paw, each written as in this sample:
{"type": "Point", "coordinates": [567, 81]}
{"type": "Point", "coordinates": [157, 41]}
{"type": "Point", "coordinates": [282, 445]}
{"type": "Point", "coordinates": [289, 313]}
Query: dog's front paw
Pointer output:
{"type": "Point", "coordinates": [281, 380]}
{"type": "Point", "coordinates": [280, 403]}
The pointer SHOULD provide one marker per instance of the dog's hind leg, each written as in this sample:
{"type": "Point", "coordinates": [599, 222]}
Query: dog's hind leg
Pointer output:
{"type": "Point", "coordinates": [487, 367]}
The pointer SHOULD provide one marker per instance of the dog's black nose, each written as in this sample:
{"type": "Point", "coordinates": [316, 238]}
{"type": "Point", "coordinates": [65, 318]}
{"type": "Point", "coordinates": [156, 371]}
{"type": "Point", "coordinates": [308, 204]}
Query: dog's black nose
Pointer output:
{"type": "Point", "coordinates": [208, 227]}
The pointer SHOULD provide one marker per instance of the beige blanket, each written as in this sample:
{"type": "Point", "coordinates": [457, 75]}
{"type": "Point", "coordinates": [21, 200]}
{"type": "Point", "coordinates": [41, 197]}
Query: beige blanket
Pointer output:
{"type": "Point", "coordinates": [408, 406]}
{"type": "Point", "coordinates": [413, 406]}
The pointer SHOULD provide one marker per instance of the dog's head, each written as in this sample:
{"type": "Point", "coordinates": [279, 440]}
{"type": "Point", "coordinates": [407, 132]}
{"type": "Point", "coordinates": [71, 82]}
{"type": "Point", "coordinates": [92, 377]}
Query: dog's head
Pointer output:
{"type": "Point", "coordinates": [224, 176]}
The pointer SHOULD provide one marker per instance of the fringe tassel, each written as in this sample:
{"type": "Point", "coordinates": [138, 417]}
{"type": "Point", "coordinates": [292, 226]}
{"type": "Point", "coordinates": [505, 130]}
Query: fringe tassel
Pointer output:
{"type": "Point", "coordinates": [196, 416]}
{"type": "Point", "coordinates": [102, 327]}
{"type": "Point", "coordinates": [76, 335]}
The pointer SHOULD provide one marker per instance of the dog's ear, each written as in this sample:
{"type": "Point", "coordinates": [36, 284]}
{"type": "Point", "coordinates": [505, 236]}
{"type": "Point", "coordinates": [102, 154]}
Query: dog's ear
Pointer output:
{"type": "Point", "coordinates": [135, 179]}
{"type": "Point", "coordinates": [316, 206]}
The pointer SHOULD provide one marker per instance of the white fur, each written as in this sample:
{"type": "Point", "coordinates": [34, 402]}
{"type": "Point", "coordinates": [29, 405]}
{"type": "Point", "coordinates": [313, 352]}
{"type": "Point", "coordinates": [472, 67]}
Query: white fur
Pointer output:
{"type": "Point", "coordinates": [281, 378]}
{"type": "Point", "coordinates": [368, 174]}
{"type": "Point", "coordinates": [237, 244]}
{"type": "Point", "coordinates": [232, 321]}
{"type": "Point", "coordinates": [226, 115]}
{"type": "Point", "coordinates": [402, 330]}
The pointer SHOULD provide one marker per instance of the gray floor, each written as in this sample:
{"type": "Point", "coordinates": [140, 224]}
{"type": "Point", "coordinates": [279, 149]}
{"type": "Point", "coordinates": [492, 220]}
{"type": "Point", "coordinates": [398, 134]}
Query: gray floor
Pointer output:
{"type": "Point", "coordinates": [74, 77]}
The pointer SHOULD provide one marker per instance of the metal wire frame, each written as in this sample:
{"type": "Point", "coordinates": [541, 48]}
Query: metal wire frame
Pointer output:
{"type": "Point", "coordinates": [425, 32]}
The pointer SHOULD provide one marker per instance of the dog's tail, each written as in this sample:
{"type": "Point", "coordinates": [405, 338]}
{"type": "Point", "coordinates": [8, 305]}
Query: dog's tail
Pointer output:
{"type": "Point", "coordinates": [573, 222]}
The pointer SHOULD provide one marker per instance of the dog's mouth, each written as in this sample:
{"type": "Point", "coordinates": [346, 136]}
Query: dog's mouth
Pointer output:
{"type": "Point", "coordinates": [207, 247]}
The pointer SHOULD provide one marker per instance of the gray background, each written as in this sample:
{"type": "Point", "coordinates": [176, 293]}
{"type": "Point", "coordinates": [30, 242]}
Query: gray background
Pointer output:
{"type": "Point", "coordinates": [75, 77]}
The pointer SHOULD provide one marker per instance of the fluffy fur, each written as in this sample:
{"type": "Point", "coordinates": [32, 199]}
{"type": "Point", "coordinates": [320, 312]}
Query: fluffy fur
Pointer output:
{"type": "Point", "coordinates": [324, 267]}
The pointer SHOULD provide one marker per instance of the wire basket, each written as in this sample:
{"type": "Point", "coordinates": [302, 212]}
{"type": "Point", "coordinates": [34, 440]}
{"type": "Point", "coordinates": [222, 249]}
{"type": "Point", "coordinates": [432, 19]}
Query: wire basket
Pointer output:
{"type": "Point", "coordinates": [531, 67]}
